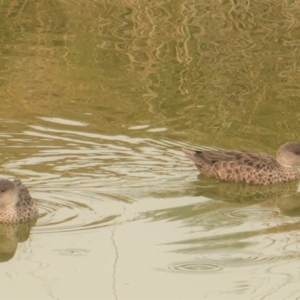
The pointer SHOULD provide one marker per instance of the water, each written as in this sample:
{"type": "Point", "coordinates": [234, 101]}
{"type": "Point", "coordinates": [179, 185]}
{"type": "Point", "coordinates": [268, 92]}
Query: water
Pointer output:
{"type": "Point", "coordinates": [97, 97]}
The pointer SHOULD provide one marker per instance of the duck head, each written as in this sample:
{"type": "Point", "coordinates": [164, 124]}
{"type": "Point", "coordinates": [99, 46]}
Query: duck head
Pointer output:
{"type": "Point", "coordinates": [8, 193]}
{"type": "Point", "coordinates": [288, 155]}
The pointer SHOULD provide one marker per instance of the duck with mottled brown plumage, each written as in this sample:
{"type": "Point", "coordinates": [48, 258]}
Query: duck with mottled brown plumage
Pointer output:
{"type": "Point", "coordinates": [250, 167]}
{"type": "Point", "coordinates": [16, 204]}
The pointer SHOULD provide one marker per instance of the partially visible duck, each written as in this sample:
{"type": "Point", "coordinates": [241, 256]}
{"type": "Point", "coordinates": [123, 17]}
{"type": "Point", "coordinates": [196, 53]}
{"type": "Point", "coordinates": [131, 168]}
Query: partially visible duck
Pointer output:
{"type": "Point", "coordinates": [247, 166]}
{"type": "Point", "coordinates": [16, 204]}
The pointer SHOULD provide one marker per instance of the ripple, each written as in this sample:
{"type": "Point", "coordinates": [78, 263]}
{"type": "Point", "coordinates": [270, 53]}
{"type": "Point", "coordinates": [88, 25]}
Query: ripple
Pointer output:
{"type": "Point", "coordinates": [72, 252]}
{"type": "Point", "coordinates": [249, 213]}
{"type": "Point", "coordinates": [234, 259]}
{"type": "Point", "coordinates": [60, 215]}
{"type": "Point", "coordinates": [83, 179]}
{"type": "Point", "coordinates": [218, 261]}
{"type": "Point", "coordinates": [63, 121]}
{"type": "Point", "coordinates": [194, 267]}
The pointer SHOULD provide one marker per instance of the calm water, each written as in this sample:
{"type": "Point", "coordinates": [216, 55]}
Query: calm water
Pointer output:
{"type": "Point", "coordinates": [97, 97]}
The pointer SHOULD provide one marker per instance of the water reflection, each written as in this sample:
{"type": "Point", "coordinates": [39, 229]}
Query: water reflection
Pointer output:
{"type": "Point", "coordinates": [10, 236]}
{"type": "Point", "coordinates": [236, 200]}
{"type": "Point", "coordinates": [285, 196]}
{"type": "Point", "coordinates": [241, 192]}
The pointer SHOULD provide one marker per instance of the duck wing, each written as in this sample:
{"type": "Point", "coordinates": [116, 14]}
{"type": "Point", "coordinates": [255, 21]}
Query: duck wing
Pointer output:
{"type": "Point", "coordinates": [246, 158]}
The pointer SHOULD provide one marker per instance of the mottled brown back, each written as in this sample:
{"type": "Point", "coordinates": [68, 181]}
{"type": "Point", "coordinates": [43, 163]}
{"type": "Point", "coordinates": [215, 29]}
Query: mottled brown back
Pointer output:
{"type": "Point", "coordinates": [26, 207]}
{"type": "Point", "coordinates": [24, 210]}
{"type": "Point", "coordinates": [241, 166]}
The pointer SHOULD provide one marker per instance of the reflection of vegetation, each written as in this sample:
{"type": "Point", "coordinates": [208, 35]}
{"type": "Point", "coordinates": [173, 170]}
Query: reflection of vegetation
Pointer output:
{"type": "Point", "coordinates": [210, 68]}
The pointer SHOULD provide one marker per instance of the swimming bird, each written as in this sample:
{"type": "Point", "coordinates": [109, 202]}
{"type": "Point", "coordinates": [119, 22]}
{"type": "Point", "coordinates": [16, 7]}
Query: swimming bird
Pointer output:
{"type": "Point", "coordinates": [16, 204]}
{"type": "Point", "coordinates": [250, 167]}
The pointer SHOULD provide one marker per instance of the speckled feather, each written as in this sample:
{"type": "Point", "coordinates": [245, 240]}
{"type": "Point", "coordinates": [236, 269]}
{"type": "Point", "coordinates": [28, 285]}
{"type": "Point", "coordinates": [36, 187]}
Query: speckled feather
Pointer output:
{"type": "Point", "coordinates": [246, 166]}
{"type": "Point", "coordinates": [23, 210]}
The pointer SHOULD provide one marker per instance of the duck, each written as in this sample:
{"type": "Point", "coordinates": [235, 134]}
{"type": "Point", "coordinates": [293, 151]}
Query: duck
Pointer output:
{"type": "Point", "coordinates": [247, 166]}
{"type": "Point", "coordinates": [16, 204]}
